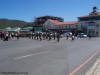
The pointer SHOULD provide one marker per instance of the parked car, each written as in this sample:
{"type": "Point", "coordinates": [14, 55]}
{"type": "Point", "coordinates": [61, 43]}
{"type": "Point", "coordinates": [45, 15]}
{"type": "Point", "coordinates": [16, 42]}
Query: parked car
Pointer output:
{"type": "Point", "coordinates": [67, 34]}
{"type": "Point", "coordinates": [81, 35]}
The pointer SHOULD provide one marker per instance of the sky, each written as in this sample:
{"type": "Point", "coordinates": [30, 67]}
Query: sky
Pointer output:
{"type": "Point", "coordinates": [27, 10]}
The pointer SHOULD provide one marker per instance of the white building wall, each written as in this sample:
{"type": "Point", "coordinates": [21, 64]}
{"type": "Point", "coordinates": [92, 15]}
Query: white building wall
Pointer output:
{"type": "Point", "coordinates": [98, 28]}
{"type": "Point", "coordinates": [85, 24]}
{"type": "Point", "coordinates": [49, 25]}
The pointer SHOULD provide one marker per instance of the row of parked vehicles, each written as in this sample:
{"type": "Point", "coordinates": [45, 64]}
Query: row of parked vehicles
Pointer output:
{"type": "Point", "coordinates": [79, 35]}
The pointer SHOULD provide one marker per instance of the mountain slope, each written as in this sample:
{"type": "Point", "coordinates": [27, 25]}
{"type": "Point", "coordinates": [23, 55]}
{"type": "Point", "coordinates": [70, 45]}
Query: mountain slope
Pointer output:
{"type": "Point", "coordinates": [12, 23]}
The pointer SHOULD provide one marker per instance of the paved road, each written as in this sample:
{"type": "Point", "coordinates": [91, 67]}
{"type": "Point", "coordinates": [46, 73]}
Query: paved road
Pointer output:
{"type": "Point", "coordinates": [45, 57]}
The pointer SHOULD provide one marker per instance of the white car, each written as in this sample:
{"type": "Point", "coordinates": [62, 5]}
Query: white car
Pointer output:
{"type": "Point", "coordinates": [81, 35]}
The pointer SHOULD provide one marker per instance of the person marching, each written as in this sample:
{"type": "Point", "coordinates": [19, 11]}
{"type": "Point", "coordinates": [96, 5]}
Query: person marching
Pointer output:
{"type": "Point", "coordinates": [32, 35]}
{"type": "Point", "coordinates": [18, 35]}
{"type": "Point", "coordinates": [3, 35]}
{"type": "Point", "coordinates": [73, 37]}
{"type": "Point", "coordinates": [58, 36]}
{"type": "Point", "coordinates": [44, 36]}
{"type": "Point", "coordinates": [37, 35]}
{"type": "Point", "coordinates": [49, 35]}
{"type": "Point", "coordinates": [40, 36]}
{"type": "Point", "coordinates": [12, 35]}
{"type": "Point", "coordinates": [54, 35]}
{"type": "Point", "coordinates": [7, 35]}
{"type": "Point", "coordinates": [67, 36]}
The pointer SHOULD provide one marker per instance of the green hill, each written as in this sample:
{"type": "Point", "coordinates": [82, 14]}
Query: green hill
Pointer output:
{"type": "Point", "coordinates": [12, 23]}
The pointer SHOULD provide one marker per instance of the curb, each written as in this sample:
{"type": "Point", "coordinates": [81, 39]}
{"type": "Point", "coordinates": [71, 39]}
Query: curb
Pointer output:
{"type": "Point", "coordinates": [95, 69]}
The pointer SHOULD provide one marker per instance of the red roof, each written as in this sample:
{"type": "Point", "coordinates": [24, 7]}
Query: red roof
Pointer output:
{"type": "Point", "coordinates": [62, 23]}
{"type": "Point", "coordinates": [83, 16]}
{"type": "Point", "coordinates": [89, 15]}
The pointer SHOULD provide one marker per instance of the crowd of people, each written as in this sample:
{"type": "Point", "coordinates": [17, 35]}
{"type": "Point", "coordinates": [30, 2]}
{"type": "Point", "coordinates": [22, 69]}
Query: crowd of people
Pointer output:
{"type": "Point", "coordinates": [5, 36]}
{"type": "Point", "coordinates": [46, 36]}
{"type": "Point", "coordinates": [50, 35]}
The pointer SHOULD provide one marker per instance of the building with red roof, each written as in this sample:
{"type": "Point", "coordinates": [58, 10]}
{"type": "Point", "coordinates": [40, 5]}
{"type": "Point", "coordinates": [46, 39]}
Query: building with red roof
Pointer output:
{"type": "Point", "coordinates": [56, 25]}
{"type": "Point", "coordinates": [39, 21]}
{"type": "Point", "coordinates": [64, 23]}
{"type": "Point", "coordinates": [91, 23]}
{"type": "Point", "coordinates": [94, 15]}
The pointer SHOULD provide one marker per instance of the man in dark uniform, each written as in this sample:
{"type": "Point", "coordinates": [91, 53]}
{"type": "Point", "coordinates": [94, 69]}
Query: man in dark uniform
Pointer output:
{"type": "Point", "coordinates": [34, 36]}
{"type": "Point", "coordinates": [37, 35]}
{"type": "Point", "coordinates": [49, 35]}
{"type": "Point", "coordinates": [44, 36]}
{"type": "Point", "coordinates": [40, 36]}
{"type": "Point", "coordinates": [58, 36]}
{"type": "Point", "coordinates": [54, 35]}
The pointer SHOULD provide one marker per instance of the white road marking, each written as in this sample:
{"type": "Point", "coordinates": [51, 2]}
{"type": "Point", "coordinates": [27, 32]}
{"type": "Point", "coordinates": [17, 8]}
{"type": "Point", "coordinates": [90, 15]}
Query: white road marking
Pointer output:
{"type": "Point", "coordinates": [21, 57]}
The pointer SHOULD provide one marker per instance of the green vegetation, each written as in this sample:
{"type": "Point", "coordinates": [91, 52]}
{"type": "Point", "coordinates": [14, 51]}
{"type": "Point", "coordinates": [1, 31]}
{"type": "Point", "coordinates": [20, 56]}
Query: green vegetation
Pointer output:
{"type": "Point", "coordinates": [13, 23]}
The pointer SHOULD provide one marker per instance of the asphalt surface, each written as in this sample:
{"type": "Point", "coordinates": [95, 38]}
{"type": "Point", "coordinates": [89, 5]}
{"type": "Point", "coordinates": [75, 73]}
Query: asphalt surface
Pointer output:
{"type": "Point", "coordinates": [45, 57]}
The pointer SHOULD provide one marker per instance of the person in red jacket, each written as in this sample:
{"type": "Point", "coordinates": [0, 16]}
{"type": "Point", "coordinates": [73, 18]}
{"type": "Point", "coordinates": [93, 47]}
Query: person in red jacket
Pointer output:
{"type": "Point", "coordinates": [18, 35]}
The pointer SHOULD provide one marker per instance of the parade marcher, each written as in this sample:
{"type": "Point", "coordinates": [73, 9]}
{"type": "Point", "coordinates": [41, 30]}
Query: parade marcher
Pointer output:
{"type": "Point", "coordinates": [44, 36]}
{"type": "Point", "coordinates": [3, 36]}
{"type": "Point", "coordinates": [40, 36]}
{"type": "Point", "coordinates": [31, 35]}
{"type": "Point", "coordinates": [73, 37]}
{"type": "Point", "coordinates": [67, 36]}
{"type": "Point", "coordinates": [12, 35]}
{"type": "Point", "coordinates": [18, 36]}
{"type": "Point", "coordinates": [7, 35]}
{"type": "Point", "coordinates": [70, 34]}
{"type": "Point", "coordinates": [34, 36]}
{"type": "Point", "coordinates": [37, 35]}
{"type": "Point", "coordinates": [54, 35]}
{"type": "Point", "coordinates": [49, 36]}
{"type": "Point", "coordinates": [58, 36]}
